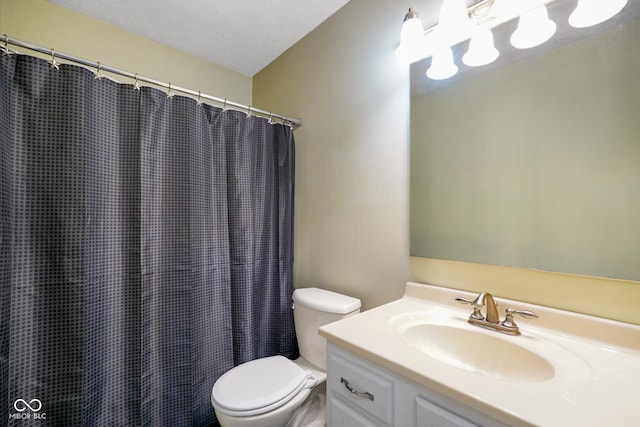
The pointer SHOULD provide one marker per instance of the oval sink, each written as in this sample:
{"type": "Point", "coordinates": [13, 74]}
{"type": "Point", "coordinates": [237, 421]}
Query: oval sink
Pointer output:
{"type": "Point", "coordinates": [478, 351]}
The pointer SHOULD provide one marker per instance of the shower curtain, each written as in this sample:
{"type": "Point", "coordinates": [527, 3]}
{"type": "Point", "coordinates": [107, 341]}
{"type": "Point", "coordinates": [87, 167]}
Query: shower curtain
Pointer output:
{"type": "Point", "coordinates": [145, 248]}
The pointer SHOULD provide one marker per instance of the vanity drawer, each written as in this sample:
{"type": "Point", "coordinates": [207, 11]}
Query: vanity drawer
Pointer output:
{"type": "Point", "coordinates": [363, 388]}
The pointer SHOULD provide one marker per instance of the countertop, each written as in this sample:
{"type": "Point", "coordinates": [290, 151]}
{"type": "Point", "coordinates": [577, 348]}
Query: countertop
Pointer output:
{"type": "Point", "coordinates": [596, 361]}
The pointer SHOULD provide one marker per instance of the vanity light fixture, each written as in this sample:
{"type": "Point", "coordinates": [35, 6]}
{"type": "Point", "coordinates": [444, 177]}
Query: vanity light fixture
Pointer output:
{"type": "Point", "coordinates": [458, 23]}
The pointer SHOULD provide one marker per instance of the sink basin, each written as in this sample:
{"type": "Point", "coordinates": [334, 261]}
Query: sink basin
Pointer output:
{"type": "Point", "coordinates": [478, 351]}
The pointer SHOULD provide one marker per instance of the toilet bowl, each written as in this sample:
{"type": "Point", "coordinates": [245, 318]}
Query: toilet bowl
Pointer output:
{"type": "Point", "coordinates": [263, 392]}
{"type": "Point", "coordinates": [275, 391]}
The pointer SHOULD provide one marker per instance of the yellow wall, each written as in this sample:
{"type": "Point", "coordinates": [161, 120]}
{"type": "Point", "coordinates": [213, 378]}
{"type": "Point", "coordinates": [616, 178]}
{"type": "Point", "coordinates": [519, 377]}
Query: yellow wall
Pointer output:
{"type": "Point", "coordinates": [52, 26]}
{"type": "Point", "coordinates": [351, 218]}
{"type": "Point", "coordinates": [352, 202]}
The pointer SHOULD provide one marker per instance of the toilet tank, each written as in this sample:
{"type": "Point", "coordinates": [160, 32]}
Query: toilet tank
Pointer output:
{"type": "Point", "coordinates": [312, 308]}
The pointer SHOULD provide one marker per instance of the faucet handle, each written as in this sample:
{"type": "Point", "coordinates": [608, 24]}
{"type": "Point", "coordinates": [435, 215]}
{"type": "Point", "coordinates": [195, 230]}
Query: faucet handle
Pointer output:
{"type": "Point", "coordinates": [524, 313]}
{"type": "Point", "coordinates": [477, 314]}
{"type": "Point", "coordinates": [508, 321]}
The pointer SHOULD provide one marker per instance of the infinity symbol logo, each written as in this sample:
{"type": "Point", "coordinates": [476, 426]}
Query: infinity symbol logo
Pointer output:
{"type": "Point", "coordinates": [21, 405]}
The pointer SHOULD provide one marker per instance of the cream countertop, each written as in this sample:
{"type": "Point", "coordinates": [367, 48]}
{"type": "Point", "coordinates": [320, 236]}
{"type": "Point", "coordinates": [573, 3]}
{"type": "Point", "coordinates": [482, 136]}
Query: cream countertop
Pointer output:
{"type": "Point", "coordinates": [596, 361]}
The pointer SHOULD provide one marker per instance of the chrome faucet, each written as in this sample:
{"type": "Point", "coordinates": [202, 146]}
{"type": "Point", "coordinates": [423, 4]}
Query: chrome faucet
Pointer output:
{"type": "Point", "coordinates": [492, 318]}
{"type": "Point", "coordinates": [486, 299]}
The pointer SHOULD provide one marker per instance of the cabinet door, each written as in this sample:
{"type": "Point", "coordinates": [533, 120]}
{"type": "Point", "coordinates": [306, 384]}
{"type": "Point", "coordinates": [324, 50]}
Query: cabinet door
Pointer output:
{"type": "Point", "coordinates": [432, 415]}
{"type": "Point", "coordinates": [342, 414]}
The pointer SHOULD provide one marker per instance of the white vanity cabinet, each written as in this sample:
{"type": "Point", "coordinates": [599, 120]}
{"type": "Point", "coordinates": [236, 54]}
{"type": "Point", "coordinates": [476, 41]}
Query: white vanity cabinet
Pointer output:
{"type": "Point", "coordinates": [418, 361]}
{"type": "Point", "coordinates": [360, 392]}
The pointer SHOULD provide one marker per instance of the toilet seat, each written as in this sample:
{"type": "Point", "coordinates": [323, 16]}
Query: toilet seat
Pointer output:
{"type": "Point", "coordinates": [260, 386]}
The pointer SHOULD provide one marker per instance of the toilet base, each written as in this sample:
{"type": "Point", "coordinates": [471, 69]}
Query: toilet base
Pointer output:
{"type": "Point", "coordinates": [313, 411]}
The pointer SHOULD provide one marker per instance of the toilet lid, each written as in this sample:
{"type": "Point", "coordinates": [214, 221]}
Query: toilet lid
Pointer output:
{"type": "Point", "coordinates": [260, 386]}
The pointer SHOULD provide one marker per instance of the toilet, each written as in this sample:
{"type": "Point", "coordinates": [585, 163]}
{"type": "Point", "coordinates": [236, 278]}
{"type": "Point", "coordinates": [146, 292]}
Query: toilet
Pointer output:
{"type": "Point", "coordinates": [275, 391]}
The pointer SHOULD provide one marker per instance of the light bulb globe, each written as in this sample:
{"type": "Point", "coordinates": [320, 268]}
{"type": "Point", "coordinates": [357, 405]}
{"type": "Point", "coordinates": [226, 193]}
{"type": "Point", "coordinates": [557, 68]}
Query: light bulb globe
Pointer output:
{"type": "Point", "coordinates": [593, 12]}
{"type": "Point", "coordinates": [442, 65]}
{"type": "Point", "coordinates": [534, 28]}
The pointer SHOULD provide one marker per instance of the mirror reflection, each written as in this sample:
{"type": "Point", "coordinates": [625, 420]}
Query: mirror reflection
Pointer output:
{"type": "Point", "coordinates": [533, 162]}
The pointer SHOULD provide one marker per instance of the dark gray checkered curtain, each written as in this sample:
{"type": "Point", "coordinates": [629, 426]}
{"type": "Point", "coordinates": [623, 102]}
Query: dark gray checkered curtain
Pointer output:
{"type": "Point", "coordinates": [145, 248]}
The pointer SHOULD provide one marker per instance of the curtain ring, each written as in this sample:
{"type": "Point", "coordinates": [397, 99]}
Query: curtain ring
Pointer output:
{"type": "Point", "coordinates": [199, 98]}
{"type": "Point", "coordinates": [169, 94]}
{"type": "Point", "coordinates": [224, 105]}
{"type": "Point", "coordinates": [136, 84]}
{"type": "Point", "coordinates": [248, 110]}
{"type": "Point", "coordinates": [53, 62]}
{"type": "Point", "coordinates": [6, 45]}
{"type": "Point", "coordinates": [98, 76]}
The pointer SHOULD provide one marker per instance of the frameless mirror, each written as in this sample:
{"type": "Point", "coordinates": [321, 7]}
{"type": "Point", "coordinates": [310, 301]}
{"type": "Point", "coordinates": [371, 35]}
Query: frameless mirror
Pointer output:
{"type": "Point", "coordinates": [533, 162]}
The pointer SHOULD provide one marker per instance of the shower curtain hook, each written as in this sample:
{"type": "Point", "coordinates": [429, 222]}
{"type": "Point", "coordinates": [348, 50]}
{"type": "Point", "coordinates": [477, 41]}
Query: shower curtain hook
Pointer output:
{"type": "Point", "coordinates": [53, 62]}
{"type": "Point", "coordinates": [136, 84]}
{"type": "Point", "coordinates": [169, 94]}
{"type": "Point", "coordinates": [270, 121]}
{"type": "Point", "coordinates": [248, 110]}
{"type": "Point", "coordinates": [200, 101]}
{"type": "Point", "coordinates": [224, 105]}
{"type": "Point", "coordinates": [6, 46]}
{"type": "Point", "coordinates": [98, 76]}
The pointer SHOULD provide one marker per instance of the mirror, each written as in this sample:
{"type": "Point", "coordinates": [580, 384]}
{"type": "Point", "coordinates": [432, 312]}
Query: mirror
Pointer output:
{"type": "Point", "coordinates": [533, 161]}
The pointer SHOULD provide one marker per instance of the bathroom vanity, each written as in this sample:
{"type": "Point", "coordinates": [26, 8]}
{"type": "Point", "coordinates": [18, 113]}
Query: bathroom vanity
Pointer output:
{"type": "Point", "coordinates": [418, 362]}
{"type": "Point", "coordinates": [390, 399]}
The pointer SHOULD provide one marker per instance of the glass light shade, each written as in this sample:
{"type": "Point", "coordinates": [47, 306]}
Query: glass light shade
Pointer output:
{"type": "Point", "coordinates": [411, 39]}
{"type": "Point", "coordinates": [454, 21]}
{"type": "Point", "coordinates": [481, 49]}
{"type": "Point", "coordinates": [501, 8]}
{"type": "Point", "coordinates": [592, 12]}
{"type": "Point", "coordinates": [534, 28]}
{"type": "Point", "coordinates": [442, 65]}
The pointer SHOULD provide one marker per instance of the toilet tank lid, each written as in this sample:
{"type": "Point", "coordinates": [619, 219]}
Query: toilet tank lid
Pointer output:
{"type": "Point", "coordinates": [324, 300]}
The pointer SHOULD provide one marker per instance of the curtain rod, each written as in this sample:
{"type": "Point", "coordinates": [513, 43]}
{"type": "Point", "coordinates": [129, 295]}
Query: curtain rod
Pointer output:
{"type": "Point", "coordinates": [294, 123]}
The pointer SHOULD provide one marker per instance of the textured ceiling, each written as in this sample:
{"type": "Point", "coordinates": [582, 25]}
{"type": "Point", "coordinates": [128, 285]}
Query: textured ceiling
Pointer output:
{"type": "Point", "coordinates": [241, 35]}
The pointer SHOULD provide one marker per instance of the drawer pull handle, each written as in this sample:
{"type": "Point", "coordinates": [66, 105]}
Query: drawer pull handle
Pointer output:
{"type": "Point", "coordinates": [364, 394]}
